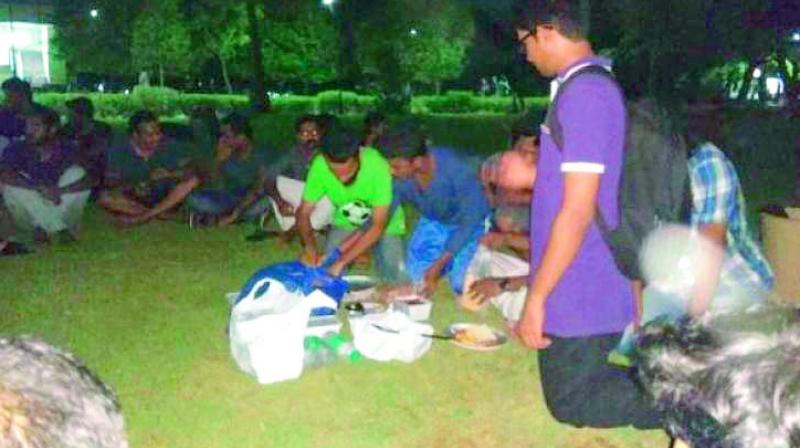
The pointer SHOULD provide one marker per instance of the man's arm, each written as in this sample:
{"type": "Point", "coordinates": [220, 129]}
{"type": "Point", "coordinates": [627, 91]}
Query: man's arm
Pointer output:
{"type": "Point", "coordinates": [568, 232]}
{"type": "Point", "coordinates": [708, 276]}
{"type": "Point", "coordinates": [251, 196]}
{"type": "Point", "coordinates": [15, 179]}
{"type": "Point", "coordinates": [310, 254]}
{"type": "Point", "coordinates": [380, 218]}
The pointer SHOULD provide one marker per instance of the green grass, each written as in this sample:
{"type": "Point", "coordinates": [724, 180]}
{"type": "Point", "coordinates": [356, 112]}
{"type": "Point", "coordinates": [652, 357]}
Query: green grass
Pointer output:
{"type": "Point", "coordinates": [145, 309]}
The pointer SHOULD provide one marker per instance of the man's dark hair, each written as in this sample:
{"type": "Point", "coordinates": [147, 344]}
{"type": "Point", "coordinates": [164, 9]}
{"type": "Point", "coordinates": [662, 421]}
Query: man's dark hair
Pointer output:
{"type": "Point", "coordinates": [139, 118]}
{"type": "Point", "coordinates": [527, 125]}
{"type": "Point", "coordinates": [18, 86]}
{"type": "Point", "coordinates": [48, 116]}
{"type": "Point", "coordinates": [338, 146]}
{"type": "Point", "coordinates": [307, 118]}
{"type": "Point", "coordinates": [82, 106]}
{"type": "Point", "coordinates": [239, 123]}
{"type": "Point", "coordinates": [406, 140]}
{"type": "Point", "coordinates": [372, 119]}
{"type": "Point", "coordinates": [703, 122]}
{"type": "Point", "coordinates": [563, 15]}
{"type": "Point", "coordinates": [327, 122]}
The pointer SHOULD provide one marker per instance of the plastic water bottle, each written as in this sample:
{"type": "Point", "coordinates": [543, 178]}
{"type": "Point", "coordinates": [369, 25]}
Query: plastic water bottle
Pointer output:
{"type": "Point", "coordinates": [316, 353]}
{"type": "Point", "coordinates": [343, 348]}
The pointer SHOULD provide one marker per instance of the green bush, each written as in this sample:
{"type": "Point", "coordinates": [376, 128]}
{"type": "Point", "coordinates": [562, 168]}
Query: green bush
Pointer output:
{"type": "Point", "coordinates": [294, 104]}
{"type": "Point", "coordinates": [341, 101]}
{"type": "Point", "coordinates": [171, 103]}
{"type": "Point", "coordinates": [160, 100]}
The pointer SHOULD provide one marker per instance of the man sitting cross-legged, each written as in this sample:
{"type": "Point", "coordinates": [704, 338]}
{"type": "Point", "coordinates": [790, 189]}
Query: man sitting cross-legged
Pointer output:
{"type": "Point", "coordinates": [43, 187]}
{"type": "Point", "coordinates": [232, 190]}
{"type": "Point", "coordinates": [358, 183]}
{"type": "Point", "coordinates": [145, 178]}
{"type": "Point", "coordinates": [285, 177]}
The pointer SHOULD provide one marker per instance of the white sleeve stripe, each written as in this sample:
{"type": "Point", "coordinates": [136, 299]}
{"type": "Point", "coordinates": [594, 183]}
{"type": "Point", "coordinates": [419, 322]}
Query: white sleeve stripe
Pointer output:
{"type": "Point", "coordinates": [583, 167]}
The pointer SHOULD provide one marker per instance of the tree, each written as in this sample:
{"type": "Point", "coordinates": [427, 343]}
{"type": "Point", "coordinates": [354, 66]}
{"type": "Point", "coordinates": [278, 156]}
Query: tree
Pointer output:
{"type": "Point", "coordinates": [98, 44]}
{"type": "Point", "coordinates": [258, 91]}
{"type": "Point", "coordinates": [161, 40]}
{"type": "Point", "coordinates": [424, 41]}
{"type": "Point", "coordinates": [301, 43]}
{"type": "Point", "coordinates": [217, 28]}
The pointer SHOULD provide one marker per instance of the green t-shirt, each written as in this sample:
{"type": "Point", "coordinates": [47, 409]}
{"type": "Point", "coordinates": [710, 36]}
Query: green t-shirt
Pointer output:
{"type": "Point", "coordinates": [371, 188]}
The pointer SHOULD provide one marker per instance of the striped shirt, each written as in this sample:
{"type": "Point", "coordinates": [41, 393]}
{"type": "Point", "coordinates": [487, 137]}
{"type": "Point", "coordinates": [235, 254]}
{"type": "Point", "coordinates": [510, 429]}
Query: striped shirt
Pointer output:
{"type": "Point", "coordinates": [717, 199]}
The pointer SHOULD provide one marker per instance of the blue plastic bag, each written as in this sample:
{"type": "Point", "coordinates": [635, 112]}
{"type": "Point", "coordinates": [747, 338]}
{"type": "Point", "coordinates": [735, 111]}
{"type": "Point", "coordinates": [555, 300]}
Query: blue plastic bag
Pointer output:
{"type": "Point", "coordinates": [296, 276]}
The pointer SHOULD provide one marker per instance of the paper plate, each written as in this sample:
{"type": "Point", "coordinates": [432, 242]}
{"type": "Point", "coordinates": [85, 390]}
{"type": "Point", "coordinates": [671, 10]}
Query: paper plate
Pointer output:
{"type": "Point", "coordinates": [453, 330]}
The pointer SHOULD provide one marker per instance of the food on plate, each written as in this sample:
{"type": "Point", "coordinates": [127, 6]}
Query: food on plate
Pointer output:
{"type": "Point", "coordinates": [475, 335]}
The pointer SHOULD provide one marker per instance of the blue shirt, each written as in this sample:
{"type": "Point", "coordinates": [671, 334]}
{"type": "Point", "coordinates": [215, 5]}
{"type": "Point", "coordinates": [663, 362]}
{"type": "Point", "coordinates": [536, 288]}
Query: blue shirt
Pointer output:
{"type": "Point", "coordinates": [454, 197]}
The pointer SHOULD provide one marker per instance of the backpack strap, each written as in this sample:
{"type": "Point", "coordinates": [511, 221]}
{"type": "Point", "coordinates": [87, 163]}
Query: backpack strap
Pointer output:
{"type": "Point", "coordinates": [557, 132]}
{"type": "Point", "coordinates": [551, 119]}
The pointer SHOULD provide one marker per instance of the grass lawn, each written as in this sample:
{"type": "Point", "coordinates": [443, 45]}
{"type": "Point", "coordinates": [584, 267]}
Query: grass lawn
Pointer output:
{"type": "Point", "coordinates": [145, 309]}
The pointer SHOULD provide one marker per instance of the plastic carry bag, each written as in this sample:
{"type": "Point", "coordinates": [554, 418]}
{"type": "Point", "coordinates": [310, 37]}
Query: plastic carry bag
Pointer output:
{"type": "Point", "coordinates": [403, 343]}
{"type": "Point", "coordinates": [267, 326]}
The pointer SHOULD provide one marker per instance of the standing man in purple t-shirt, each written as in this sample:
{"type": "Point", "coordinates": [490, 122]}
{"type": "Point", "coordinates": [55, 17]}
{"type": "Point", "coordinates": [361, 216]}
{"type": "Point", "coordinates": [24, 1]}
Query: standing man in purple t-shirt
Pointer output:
{"type": "Point", "coordinates": [578, 302]}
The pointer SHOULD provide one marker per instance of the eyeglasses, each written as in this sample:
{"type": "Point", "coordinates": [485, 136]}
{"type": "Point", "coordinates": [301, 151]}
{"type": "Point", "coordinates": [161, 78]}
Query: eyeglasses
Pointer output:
{"type": "Point", "coordinates": [521, 40]}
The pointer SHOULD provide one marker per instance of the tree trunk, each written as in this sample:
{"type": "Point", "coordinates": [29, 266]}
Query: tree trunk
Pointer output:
{"type": "Point", "coordinates": [258, 90]}
{"type": "Point", "coordinates": [225, 77]}
{"type": "Point", "coordinates": [161, 74]}
{"type": "Point", "coordinates": [438, 87]}
{"type": "Point", "coordinates": [586, 16]}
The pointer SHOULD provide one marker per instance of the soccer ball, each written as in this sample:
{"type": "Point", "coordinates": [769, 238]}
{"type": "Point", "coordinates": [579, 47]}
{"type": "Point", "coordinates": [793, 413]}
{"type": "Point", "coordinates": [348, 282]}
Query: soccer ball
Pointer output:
{"type": "Point", "coordinates": [357, 212]}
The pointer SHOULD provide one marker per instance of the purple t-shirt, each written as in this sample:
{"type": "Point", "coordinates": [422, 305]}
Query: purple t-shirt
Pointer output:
{"type": "Point", "coordinates": [593, 297]}
{"type": "Point", "coordinates": [12, 124]}
{"type": "Point", "coordinates": [24, 160]}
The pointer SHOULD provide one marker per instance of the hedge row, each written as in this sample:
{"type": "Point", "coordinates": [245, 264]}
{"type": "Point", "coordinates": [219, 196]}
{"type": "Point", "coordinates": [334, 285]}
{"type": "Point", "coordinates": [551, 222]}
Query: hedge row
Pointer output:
{"type": "Point", "coordinates": [169, 102]}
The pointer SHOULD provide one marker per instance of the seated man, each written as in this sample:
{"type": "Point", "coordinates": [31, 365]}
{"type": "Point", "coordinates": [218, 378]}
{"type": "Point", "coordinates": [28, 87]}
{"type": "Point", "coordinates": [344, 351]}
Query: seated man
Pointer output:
{"type": "Point", "coordinates": [90, 138]}
{"type": "Point", "coordinates": [727, 271]}
{"type": "Point", "coordinates": [19, 102]}
{"type": "Point", "coordinates": [284, 182]}
{"type": "Point", "coordinates": [498, 276]}
{"type": "Point", "coordinates": [231, 191]}
{"type": "Point", "coordinates": [145, 176]}
{"type": "Point", "coordinates": [445, 191]}
{"type": "Point", "coordinates": [43, 187]}
{"type": "Point", "coordinates": [358, 182]}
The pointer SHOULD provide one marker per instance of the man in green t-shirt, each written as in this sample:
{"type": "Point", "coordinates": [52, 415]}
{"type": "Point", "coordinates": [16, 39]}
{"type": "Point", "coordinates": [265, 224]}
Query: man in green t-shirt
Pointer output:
{"type": "Point", "coordinates": [145, 175]}
{"type": "Point", "coordinates": [358, 182]}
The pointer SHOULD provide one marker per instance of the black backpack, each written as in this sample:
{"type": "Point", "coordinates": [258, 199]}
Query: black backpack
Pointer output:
{"type": "Point", "coordinates": [654, 188]}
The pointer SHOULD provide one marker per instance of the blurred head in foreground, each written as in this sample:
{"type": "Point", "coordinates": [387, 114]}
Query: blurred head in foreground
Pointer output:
{"type": "Point", "coordinates": [726, 380]}
{"type": "Point", "coordinates": [48, 399]}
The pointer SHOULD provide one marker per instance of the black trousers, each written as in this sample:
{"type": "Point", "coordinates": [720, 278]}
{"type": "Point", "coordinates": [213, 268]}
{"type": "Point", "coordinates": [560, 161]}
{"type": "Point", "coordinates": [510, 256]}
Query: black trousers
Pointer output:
{"type": "Point", "coordinates": [582, 389]}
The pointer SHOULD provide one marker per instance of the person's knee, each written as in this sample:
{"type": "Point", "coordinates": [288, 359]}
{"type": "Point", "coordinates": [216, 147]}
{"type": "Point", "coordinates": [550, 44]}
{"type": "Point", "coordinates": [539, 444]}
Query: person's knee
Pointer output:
{"type": "Point", "coordinates": [71, 175]}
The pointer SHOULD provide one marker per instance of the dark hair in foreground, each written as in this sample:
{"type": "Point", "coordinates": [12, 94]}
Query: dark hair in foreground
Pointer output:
{"type": "Point", "coordinates": [239, 124]}
{"type": "Point", "coordinates": [726, 381]}
{"type": "Point", "coordinates": [563, 15]}
{"type": "Point", "coordinates": [139, 118]}
{"type": "Point", "coordinates": [48, 399]}
{"type": "Point", "coordinates": [338, 146]}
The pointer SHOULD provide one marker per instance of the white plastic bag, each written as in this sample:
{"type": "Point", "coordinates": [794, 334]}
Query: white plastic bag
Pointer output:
{"type": "Point", "coordinates": [405, 345]}
{"type": "Point", "coordinates": [266, 331]}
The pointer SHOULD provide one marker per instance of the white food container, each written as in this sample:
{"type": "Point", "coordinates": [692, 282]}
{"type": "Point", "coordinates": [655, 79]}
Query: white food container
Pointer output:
{"type": "Point", "coordinates": [416, 308]}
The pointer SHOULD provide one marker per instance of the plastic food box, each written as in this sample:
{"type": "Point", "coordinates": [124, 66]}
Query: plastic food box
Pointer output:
{"type": "Point", "coordinates": [417, 308]}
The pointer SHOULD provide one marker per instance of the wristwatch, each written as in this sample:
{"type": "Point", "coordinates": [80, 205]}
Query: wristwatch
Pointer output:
{"type": "Point", "coordinates": [504, 283]}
